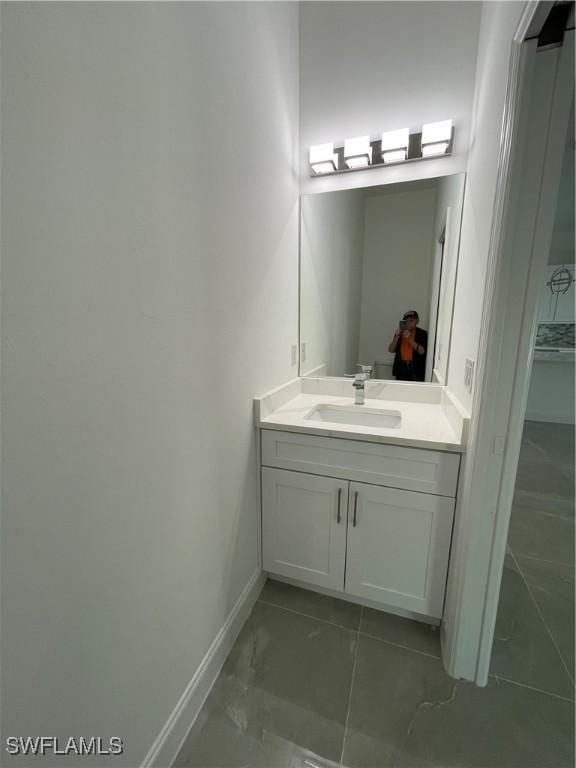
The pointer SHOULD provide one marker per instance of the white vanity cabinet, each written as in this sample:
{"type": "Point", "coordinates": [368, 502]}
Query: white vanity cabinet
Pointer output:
{"type": "Point", "coordinates": [386, 541]}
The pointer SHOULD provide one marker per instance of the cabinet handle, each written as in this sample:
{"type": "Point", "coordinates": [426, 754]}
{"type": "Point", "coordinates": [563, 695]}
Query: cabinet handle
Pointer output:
{"type": "Point", "coordinates": [354, 519]}
{"type": "Point", "coordinates": [339, 515]}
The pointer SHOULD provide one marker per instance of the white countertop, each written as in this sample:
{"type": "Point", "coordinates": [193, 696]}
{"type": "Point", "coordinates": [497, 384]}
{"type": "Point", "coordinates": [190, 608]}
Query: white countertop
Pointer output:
{"type": "Point", "coordinates": [542, 354]}
{"type": "Point", "coordinates": [438, 423]}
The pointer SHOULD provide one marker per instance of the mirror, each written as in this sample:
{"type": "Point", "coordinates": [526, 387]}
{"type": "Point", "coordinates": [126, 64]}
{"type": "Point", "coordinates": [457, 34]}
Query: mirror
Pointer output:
{"type": "Point", "coordinates": [377, 279]}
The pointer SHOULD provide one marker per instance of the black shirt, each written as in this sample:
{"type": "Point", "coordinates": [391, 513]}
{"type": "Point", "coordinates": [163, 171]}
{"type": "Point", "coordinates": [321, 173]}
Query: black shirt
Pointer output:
{"type": "Point", "coordinates": [418, 361]}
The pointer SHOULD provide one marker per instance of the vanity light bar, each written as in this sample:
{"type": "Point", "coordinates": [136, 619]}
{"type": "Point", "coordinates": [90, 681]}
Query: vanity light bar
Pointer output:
{"type": "Point", "coordinates": [358, 152]}
{"type": "Point", "coordinates": [399, 146]}
{"type": "Point", "coordinates": [394, 156]}
{"type": "Point", "coordinates": [432, 133]}
{"type": "Point", "coordinates": [323, 158]}
{"type": "Point", "coordinates": [429, 150]}
{"type": "Point", "coordinates": [436, 138]}
{"type": "Point", "coordinates": [394, 146]}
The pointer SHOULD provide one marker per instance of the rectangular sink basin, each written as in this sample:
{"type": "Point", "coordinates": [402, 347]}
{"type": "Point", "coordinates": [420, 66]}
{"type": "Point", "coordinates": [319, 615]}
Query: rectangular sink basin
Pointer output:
{"type": "Point", "coordinates": [357, 415]}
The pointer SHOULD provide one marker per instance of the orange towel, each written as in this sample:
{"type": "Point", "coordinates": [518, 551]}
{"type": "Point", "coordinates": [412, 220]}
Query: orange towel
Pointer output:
{"type": "Point", "coordinates": [406, 348]}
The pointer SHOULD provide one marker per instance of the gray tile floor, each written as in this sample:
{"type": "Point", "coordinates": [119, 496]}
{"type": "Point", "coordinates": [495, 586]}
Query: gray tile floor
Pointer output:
{"type": "Point", "coordinates": [315, 682]}
{"type": "Point", "coordinates": [534, 642]}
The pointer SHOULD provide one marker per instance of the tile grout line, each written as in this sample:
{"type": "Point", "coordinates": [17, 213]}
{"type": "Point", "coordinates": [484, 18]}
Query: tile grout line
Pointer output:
{"type": "Point", "coordinates": [544, 560]}
{"type": "Point", "coordinates": [349, 629]}
{"type": "Point", "coordinates": [306, 615]}
{"type": "Point", "coordinates": [567, 518]}
{"type": "Point", "coordinates": [499, 679]}
{"type": "Point", "coordinates": [357, 644]}
{"type": "Point", "coordinates": [404, 647]}
{"type": "Point", "coordinates": [551, 636]}
{"type": "Point", "coordinates": [555, 516]}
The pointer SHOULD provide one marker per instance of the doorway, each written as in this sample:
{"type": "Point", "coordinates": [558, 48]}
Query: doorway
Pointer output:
{"type": "Point", "coordinates": [534, 635]}
{"type": "Point", "coordinates": [535, 129]}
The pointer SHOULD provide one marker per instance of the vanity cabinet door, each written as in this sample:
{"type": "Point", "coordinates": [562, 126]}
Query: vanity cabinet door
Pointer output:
{"type": "Point", "coordinates": [398, 547]}
{"type": "Point", "coordinates": [304, 526]}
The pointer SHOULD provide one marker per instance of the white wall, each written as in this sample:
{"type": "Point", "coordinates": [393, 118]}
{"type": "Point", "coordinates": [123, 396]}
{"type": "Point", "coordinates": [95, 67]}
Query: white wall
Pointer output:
{"type": "Point", "coordinates": [499, 23]}
{"type": "Point", "coordinates": [369, 67]}
{"type": "Point", "coordinates": [551, 394]}
{"type": "Point", "coordinates": [331, 238]}
{"type": "Point", "coordinates": [149, 256]}
{"type": "Point", "coordinates": [398, 253]}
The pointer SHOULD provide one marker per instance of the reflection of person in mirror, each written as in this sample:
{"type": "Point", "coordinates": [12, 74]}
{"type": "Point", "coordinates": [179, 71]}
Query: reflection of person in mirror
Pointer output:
{"type": "Point", "coordinates": [409, 347]}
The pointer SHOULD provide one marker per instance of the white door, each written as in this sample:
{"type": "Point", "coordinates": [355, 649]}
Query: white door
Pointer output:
{"type": "Point", "coordinates": [304, 526]}
{"type": "Point", "coordinates": [537, 129]}
{"type": "Point", "coordinates": [398, 547]}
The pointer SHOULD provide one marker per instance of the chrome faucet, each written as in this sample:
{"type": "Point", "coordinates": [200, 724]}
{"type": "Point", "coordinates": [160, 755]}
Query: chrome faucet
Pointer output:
{"type": "Point", "coordinates": [366, 369]}
{"type": "Point", "coordinates": [358, 385]}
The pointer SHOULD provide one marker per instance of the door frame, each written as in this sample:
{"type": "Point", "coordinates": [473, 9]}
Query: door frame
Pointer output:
{"type": "Point", "coordinates": [437, 265]}
{"type": "Point", "coordinates": [508, 323]}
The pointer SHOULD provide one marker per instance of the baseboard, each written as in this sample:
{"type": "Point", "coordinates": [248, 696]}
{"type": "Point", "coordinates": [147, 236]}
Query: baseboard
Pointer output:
{"type": "Point", "coordinates": [168, 742]}
{"type": "Point", "coordinates": [437, 377]}
{"type": "Point", "coordinates": [345, 596]}
{"type": "Point", "coordinates": [320, 370]}
{"type": "Point", "coordinates": [552, 419]}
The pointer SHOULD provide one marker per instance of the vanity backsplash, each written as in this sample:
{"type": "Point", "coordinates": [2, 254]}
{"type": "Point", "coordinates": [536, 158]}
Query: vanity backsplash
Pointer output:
{"type": "Point", "coordinates": [555, 336]}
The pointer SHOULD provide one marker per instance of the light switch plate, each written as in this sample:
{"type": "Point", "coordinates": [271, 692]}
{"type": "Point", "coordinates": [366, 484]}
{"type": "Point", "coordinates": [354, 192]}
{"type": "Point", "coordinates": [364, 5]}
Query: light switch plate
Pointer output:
{"type": "Point", "coordinates": [469, 368]}
{"type": "Point", "coordinates": [293, 354]}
